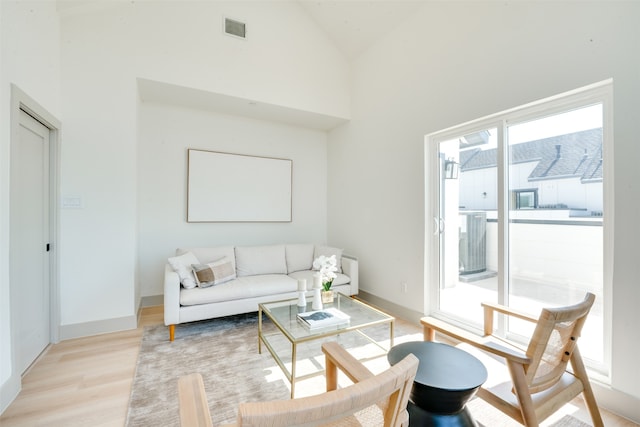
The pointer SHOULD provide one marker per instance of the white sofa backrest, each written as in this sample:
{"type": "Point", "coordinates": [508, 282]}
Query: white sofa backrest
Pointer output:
{"type": "Point", "coordinates": [266, 259]}
{"type": "Point", "coordinates": [252, 260]}
{"type": "Point", "coordinates": [299, 257]}
{"type": "Point", "coordinates": [207, 255]}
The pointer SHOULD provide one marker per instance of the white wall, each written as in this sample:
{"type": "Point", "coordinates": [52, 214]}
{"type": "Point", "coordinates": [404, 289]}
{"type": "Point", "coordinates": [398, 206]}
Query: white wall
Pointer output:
{"type": "Point", "coordinates": [571, 192]}
{"type": "Point", "coordinates": [30, 59]}
{"type": "Point", "coordinates": [92, 53]}
{"type": "Point", "coordinates": [456, 62]}
{"type": "Point", "coordinates": [165, 134]}
{"type": "Point", "coordinates": [285, 61]}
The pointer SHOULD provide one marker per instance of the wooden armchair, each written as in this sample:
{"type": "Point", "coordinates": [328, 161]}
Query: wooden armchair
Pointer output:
{"type": "Point", "coordinates": [373, 400]}
{"type": "Point", "coordinates": [537, 382]}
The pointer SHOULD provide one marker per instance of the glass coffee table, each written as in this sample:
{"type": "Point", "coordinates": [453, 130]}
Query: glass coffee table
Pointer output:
{"type": "Point", "coordinates": [283, 316]}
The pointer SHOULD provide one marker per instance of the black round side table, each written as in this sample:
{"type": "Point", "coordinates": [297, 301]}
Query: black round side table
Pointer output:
{"type": "Point", "coordinates": [447, 378]}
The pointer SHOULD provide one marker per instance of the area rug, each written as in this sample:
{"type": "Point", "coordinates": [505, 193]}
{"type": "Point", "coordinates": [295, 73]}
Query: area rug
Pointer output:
{"type": "Point", "coordinates": [225, 352]}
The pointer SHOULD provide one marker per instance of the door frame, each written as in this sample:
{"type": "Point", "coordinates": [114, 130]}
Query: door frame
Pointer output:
{"type": "Point", "coordinates": [21, 101]}
{"type": "Point", "coordinates": [601, 92]}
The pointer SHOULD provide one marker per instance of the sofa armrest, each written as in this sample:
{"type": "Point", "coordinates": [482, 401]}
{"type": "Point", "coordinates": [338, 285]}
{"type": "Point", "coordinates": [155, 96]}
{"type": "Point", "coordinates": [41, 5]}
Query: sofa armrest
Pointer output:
{"type": "Point", "coordinates": [350, 268]}
{"type": "Point", "coordinates": [171, 296]}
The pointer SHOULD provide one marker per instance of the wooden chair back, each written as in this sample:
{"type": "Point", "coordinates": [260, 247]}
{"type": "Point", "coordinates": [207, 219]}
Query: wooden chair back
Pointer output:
{"type": "Point", "coordinates": [373, 400]}
{"type": "Point", "coordinates": [553, 342]}
{"type": "Point", "coordinates": [539, 378]}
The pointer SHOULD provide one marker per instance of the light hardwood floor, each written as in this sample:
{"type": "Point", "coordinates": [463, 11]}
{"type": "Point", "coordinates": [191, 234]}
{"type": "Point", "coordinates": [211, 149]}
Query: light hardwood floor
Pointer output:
{"type": "Point", "coordinates": [87, 381]}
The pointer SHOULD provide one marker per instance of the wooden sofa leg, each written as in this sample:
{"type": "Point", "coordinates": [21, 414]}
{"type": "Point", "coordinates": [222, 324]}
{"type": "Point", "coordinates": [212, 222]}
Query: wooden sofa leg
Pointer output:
{"type": "Point", "coordinates": [172, 332]}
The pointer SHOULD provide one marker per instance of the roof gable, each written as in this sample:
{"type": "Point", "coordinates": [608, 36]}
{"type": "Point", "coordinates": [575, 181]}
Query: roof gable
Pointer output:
{"type": "Point", "coordinates": [577, 154]}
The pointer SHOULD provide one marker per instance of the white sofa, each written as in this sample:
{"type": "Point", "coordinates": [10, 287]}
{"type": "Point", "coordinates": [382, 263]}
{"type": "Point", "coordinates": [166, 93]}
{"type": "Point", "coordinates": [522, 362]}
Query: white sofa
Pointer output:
{"type": "Point", "coordinates": [262, 274]}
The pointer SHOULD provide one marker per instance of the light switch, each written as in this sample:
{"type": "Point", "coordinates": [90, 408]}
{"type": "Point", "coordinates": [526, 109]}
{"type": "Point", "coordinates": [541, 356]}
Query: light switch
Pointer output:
{"type": "Point", "coordinates": [72, 202]}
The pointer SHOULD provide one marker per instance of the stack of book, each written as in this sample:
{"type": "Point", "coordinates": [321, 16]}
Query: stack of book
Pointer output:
{"type": "Point", "coordinates": [329, 317]}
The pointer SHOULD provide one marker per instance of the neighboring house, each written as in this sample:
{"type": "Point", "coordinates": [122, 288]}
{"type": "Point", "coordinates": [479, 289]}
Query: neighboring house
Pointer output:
{"type": "Point", "coordinates": [562, 172]}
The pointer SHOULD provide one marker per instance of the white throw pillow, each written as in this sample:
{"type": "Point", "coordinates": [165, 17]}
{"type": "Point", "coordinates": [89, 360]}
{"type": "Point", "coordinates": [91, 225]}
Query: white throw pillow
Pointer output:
{"type": "Point", "coordinates": [328, 251]}
{"type": "Point", "coordinates": [182, 265]}
{"type": "Point", "coordinates": [252, 260]}
{"type": "Point", "coordinates": [299, 257]}
{"type": "Point", "coordinates": [214, 273]}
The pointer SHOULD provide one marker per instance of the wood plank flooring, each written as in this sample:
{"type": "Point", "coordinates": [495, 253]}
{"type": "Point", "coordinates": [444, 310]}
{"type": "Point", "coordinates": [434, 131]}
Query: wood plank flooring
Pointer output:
{"type": "Point", "coordinates": [87, 381]}
{"type": "Point", "coordinates": [81, 382]}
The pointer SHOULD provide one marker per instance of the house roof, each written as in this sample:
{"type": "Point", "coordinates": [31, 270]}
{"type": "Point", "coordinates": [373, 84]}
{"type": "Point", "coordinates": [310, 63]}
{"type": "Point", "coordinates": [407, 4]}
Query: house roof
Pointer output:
{"type": "Point", "coordinates": [572, 155]}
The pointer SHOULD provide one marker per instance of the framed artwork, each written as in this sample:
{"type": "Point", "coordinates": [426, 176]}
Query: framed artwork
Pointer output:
{"type": "Point", "coordinates": [226, 187]}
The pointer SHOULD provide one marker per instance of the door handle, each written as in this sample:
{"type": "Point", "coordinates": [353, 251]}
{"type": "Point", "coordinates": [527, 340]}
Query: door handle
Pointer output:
{"type": "Point", "coordinates": [438, 226]}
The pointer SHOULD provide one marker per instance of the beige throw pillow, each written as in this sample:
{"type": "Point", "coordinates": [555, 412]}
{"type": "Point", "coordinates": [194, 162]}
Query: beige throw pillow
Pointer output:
{"type": "Point", "coordinates": [214, 273]}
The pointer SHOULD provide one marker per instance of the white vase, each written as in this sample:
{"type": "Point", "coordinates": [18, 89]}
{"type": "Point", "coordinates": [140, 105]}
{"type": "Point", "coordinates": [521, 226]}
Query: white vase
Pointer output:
{"type": "Point", "coordinates": [302, 299]}
{"type": "Point", "coordinates": [317, 299]}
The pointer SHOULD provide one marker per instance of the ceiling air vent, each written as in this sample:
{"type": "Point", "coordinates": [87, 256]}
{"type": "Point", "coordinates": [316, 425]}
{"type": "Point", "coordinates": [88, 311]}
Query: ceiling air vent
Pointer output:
{"type": "Point", "coordinates": [235, 28]}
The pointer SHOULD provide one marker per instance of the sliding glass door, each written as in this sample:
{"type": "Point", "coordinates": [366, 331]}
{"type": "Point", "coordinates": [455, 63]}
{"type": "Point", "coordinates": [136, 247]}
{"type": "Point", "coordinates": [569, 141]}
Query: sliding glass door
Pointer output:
{"type": "Point", "coordinates": [466, 223]}
{"type": "Point", "coordinates": [518, 214]}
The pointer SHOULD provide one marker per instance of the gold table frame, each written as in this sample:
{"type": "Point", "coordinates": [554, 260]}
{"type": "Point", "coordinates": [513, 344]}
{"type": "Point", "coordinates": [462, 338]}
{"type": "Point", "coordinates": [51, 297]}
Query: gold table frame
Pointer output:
{"type": "Point", "coordinates": [283, 315]}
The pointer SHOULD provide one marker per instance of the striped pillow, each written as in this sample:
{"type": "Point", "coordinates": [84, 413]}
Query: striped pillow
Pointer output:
{"type": "Point", "coordinates": [214, 273]}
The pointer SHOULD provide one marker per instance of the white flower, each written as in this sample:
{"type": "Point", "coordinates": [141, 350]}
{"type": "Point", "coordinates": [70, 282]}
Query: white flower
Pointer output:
{"type": "Point", "coordinates": [328, 268]}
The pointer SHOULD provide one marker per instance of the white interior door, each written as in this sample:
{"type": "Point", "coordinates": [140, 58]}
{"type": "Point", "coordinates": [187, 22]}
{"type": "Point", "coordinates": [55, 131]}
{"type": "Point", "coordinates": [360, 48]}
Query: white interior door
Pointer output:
{"type": "Point", "coordinates": [29, 256]}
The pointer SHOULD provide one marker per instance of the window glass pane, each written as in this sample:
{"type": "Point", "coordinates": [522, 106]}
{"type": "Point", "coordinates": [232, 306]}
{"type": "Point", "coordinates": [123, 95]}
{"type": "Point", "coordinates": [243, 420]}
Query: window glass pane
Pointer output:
{"type": "Point", "coordinates": [555, 216]}
{"type": "Point", "coordinates": [468, 225]}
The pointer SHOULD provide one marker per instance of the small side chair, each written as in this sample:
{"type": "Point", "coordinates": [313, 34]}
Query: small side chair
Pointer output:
{"type": "Point", "coordinates": [373, 400]}
{"type": "Point", "coordinates": [537, 382]}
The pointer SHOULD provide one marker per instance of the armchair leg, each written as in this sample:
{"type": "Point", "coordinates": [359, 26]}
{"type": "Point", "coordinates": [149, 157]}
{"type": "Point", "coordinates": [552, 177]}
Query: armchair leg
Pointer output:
{"type": "Point", "coordinates": [331, 374]}
{"type": "Point", "coordinates": [529, 418]}
{"type": "Point", "coordinates": [428, 333]}
{"type": "Point", "coordinates": [172, 332]}
{"type": "Point", "coordinates": [590, 400]}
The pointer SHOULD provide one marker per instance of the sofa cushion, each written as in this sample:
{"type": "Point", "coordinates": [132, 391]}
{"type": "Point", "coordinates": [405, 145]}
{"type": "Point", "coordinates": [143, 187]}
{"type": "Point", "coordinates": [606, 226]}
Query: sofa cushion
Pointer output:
{"type": "Point", "coordinates": [214, 273]}
{"type": "Point", "coordinates": [328, 251]}
{"type": "Point", "coordinates": [240, 288]}
{"type": "Point", "coordinates": [252, 260]}
{"type": "Point", "coordinates": [299, 257]}
{"type": "Point", "coordinates": [341, 279]}
{"type": "Point", "coordinates": [182, 266]}
{"type": "Point", "coordinates": [207, 255]}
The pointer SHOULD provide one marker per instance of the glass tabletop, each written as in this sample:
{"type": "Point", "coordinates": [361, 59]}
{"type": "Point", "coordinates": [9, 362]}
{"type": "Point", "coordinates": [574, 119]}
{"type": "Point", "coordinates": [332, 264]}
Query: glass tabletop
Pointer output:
{"type": "Point", "coordinates": [284, 315]}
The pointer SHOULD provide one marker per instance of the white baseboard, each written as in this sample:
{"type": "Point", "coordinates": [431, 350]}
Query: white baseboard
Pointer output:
{"type": "Point", "coordinates": [151, 301]}
{"type": "Point", "coordinates": [617, 402]}
{"type": "Point", "coordinates": [391, 308]}
{"type": "Point", "coordinates": [612, 400]}
{"type": "Point", "coordinates": [98, 327]}
{"type": "Point", "coordinates": [9, 391]}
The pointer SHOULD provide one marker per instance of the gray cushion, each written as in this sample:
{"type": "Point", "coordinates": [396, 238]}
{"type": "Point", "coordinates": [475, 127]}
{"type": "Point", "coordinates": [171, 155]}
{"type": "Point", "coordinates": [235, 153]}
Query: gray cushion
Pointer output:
{"type": "Point", "coordinates": [299, 257]}
{"type": "Point", "coordinates": [252, 260]}
{"type": "Point", "coordinates": [241, 288]}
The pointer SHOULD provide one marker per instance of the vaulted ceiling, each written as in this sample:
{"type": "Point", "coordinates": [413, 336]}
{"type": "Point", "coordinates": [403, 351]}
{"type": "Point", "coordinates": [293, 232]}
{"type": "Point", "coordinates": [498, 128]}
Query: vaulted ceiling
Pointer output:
{"type": "Point", "coordinates": [352, 25]}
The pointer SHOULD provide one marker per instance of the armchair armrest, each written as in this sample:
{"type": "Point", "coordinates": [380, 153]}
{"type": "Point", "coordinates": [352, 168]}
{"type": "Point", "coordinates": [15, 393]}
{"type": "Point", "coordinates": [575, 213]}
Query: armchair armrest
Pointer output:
{"type": "Point", "coordinates": [430, 325]}
{"type": "Point", "coordinates": [194, 409]}
{"type": "Point", "coordinates": [490, 308]}
{"type": "Point", "coordinates": [337, 357]}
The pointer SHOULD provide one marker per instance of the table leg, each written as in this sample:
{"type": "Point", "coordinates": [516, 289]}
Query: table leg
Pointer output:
{"type": "Point", "coordinates": [391, 325]}
{"type": "Point", "coordinates": [260, 330]}
{"type": "Point", "coordinates": [293, 368]}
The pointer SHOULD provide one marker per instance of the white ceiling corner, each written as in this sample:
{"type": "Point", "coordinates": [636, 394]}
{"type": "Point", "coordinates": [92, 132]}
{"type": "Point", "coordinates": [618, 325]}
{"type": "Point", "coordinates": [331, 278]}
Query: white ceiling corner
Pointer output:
{"type": "Point", "coordinates": [354, 25]}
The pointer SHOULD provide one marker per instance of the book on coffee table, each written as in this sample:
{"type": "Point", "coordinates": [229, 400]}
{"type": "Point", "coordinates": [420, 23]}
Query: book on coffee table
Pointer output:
{"type": "Point", "coordinates": [323, 318]}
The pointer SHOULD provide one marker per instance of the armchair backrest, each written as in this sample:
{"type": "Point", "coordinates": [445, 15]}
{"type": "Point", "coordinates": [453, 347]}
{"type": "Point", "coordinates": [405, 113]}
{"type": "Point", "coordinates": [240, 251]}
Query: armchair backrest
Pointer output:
{"type": "Point", "coordinates": [373, 400]}
{"type": "Point", "coordinates": [553, 342]}
{"type": "Point", "coordinates": [380, 400]}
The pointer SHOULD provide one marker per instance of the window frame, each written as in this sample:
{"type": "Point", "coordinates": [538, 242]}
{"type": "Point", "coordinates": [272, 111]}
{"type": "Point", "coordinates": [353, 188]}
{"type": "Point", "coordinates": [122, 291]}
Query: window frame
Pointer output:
{"type": "Point", "coordinates": [519, 192]}
{"type": "Point", "coordinates": [601, 92]}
